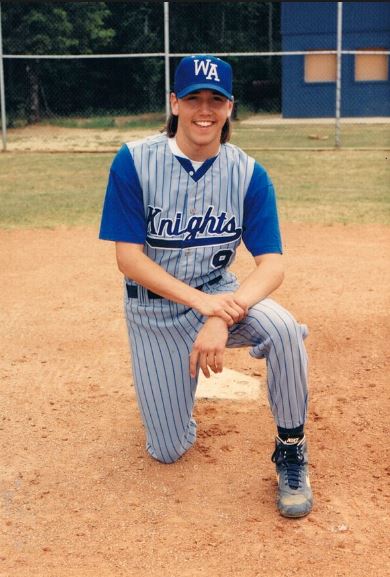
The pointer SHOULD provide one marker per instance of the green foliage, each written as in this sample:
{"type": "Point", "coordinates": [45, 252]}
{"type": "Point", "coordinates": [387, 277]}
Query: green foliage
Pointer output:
{"type": "Point", "coordinates": [139, 27]}
{"type": "Point", "coordinates": [90, 31]}
{"type": "Point", "coordinates": [58, 28]}
{"type": "Point", "coordinates": [222, 26]}
{"type": "Point", "coordinates": [48, 88]}
{"type": "Point", "coordinates": [51, 28]}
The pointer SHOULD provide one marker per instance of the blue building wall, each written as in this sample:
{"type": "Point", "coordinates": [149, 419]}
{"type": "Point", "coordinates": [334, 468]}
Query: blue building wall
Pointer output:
{"type": "Point", "coordinates": [312, 26]}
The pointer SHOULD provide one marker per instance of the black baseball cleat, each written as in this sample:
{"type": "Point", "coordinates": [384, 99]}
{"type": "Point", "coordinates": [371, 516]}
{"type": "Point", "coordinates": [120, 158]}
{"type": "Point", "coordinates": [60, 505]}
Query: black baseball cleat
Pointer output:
{"type": "Point", "coordinates": [295, 498]}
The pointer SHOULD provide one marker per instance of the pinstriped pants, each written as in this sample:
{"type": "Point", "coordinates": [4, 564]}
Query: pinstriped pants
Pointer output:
{"type": "Point", "coordinates": [161, 335]}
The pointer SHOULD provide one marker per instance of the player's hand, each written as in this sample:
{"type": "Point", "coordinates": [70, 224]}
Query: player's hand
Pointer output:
{"type": "Point", "coordinates": [209, 347]}
{"type": "Point", "coordinates": [223, 305]}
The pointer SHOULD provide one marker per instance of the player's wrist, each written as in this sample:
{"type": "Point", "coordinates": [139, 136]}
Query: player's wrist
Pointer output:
{"type": "Point", "coordinates": [196, 299]}
{"type": "Point", "coordinates": [216, 321]}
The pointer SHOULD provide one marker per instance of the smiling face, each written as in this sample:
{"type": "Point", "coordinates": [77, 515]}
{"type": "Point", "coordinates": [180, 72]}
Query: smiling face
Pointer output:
{"type": "Point", "coordinates": [201, 116]}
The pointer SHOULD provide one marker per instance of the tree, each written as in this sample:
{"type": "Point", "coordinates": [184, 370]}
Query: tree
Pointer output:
{"type": "Point", "coordinates": [51, 28]}
{"type": "Point", "coordinates": [135, 84]}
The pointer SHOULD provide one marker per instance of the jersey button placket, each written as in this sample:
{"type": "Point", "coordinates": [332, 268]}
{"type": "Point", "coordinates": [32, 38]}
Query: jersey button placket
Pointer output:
{"type": "Point", "coordinates": [188, 253]}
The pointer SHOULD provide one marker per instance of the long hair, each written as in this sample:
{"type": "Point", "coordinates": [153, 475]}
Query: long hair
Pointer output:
{"type": "Point", "coordinates": [173, 121]}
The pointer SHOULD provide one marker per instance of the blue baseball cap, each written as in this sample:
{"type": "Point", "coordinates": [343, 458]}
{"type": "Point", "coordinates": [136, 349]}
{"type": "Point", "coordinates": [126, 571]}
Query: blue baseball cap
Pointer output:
{"type": "Point", "coordinates": [203, 72]}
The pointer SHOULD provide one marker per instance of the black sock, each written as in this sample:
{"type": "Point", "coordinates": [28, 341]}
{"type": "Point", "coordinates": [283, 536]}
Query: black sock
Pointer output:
{"type": "Point", "coordinates": [285, 434]}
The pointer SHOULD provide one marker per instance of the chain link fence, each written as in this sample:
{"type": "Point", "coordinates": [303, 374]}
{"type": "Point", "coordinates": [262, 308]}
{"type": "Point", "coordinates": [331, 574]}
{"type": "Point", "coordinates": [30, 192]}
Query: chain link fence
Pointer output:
{"type": "Point", "coordinates": [100, 63]}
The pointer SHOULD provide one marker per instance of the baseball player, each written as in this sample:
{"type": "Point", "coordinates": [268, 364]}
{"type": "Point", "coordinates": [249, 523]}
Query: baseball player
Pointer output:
{"type": "Point", "coordinates": [177, 206]}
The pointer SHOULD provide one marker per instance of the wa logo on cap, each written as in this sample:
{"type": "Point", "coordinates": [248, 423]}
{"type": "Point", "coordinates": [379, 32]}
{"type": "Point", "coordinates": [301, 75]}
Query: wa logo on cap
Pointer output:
{"type": "Point", "coordinates": [203, 72]}
{"type": "Point", "coordinates": [208, 68]}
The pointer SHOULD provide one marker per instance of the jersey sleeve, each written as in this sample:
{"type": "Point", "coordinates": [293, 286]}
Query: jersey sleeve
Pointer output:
{"type": "Point", "coordinates": [261, 232]}
{"type": "Point", "coordinates": [123, 216]}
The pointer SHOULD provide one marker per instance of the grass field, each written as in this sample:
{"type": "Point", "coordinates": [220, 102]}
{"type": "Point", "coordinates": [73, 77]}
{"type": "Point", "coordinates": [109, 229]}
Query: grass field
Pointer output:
{"type": "Point", "coordinates": [313, 136]}
{"type": "Point", "coordinates": [328, 186]}
{"type": "Point", "coordinates": [151, 120]}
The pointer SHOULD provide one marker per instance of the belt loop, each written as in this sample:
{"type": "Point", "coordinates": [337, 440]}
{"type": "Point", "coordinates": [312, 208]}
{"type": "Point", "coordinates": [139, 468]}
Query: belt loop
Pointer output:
{"type": "Point", "coordinates": [132, 292]}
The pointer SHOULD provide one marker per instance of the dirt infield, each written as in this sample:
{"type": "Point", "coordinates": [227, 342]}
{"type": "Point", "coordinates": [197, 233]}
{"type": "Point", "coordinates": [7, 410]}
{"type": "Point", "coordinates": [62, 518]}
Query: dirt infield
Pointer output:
{"type": "Point", "coordinates": [47, 138]}
{"type": "Point", "coordinates": [80, 497]}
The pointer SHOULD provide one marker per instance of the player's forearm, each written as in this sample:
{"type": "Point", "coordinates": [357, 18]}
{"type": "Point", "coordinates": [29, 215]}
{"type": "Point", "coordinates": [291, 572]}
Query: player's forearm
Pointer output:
{"type": "Point", "coordinates": [138, 267]}
{"type": "Point", "coordinates": [262, 281]}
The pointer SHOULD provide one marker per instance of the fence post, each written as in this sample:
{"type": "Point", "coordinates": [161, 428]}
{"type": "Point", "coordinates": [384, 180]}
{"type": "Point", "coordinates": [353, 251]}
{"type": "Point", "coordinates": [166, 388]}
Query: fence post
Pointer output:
{"type": "Point", "coordinates": [166, 50]}
{"type": "Point", "coordinates": [270, 35]}
{"type": "Point", "coordinates": [338, 77]}
{"type": "Point", "coordinates": [2, 93]}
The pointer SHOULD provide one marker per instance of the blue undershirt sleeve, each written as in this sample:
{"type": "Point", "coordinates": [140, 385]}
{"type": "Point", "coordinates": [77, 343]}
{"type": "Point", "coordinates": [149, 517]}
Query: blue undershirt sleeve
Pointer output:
{"type": "Point", "coordinates": [123, 216]}
{"type": "Point", "coordinates": [261, 232]}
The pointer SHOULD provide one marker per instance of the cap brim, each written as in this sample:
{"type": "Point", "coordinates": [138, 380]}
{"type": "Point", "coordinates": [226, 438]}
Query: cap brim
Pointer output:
{"type": "Point", "coordinates": [203, 86]}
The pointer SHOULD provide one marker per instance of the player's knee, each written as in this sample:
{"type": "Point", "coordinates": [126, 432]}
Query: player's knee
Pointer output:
{"type": "Point", "coordinates": [166, 457]}
{"type": "Point", "coordinates": [169, 449]}
{"type": "Point", "coordinates": [287, 333]}
{"type": "Point", "coordinates": [285, 326]}
{"type": "Point", "coordinates": [284, 335]}
{"type": "Point", "coordinates": [170, 460]}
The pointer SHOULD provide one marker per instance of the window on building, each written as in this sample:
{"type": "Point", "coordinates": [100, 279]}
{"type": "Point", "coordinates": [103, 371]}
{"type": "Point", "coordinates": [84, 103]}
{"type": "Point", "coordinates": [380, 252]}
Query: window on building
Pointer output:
{"type": "Point", "coordinates": [371, 67]}
{"type": "Point", "coordinates": [320, 67]}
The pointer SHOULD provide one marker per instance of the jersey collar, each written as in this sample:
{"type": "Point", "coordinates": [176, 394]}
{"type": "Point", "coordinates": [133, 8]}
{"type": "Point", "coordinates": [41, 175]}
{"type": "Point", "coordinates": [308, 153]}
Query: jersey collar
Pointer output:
{"type": "Point", "coordinates": [187, 163]}
{"type": "Point", "coordinates": [195, 174]}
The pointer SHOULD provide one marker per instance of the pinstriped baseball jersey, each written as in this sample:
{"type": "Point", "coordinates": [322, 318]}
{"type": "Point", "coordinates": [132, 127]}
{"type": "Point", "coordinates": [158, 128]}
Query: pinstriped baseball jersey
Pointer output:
{"type": "Point", "coordinates": [190, 221]}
